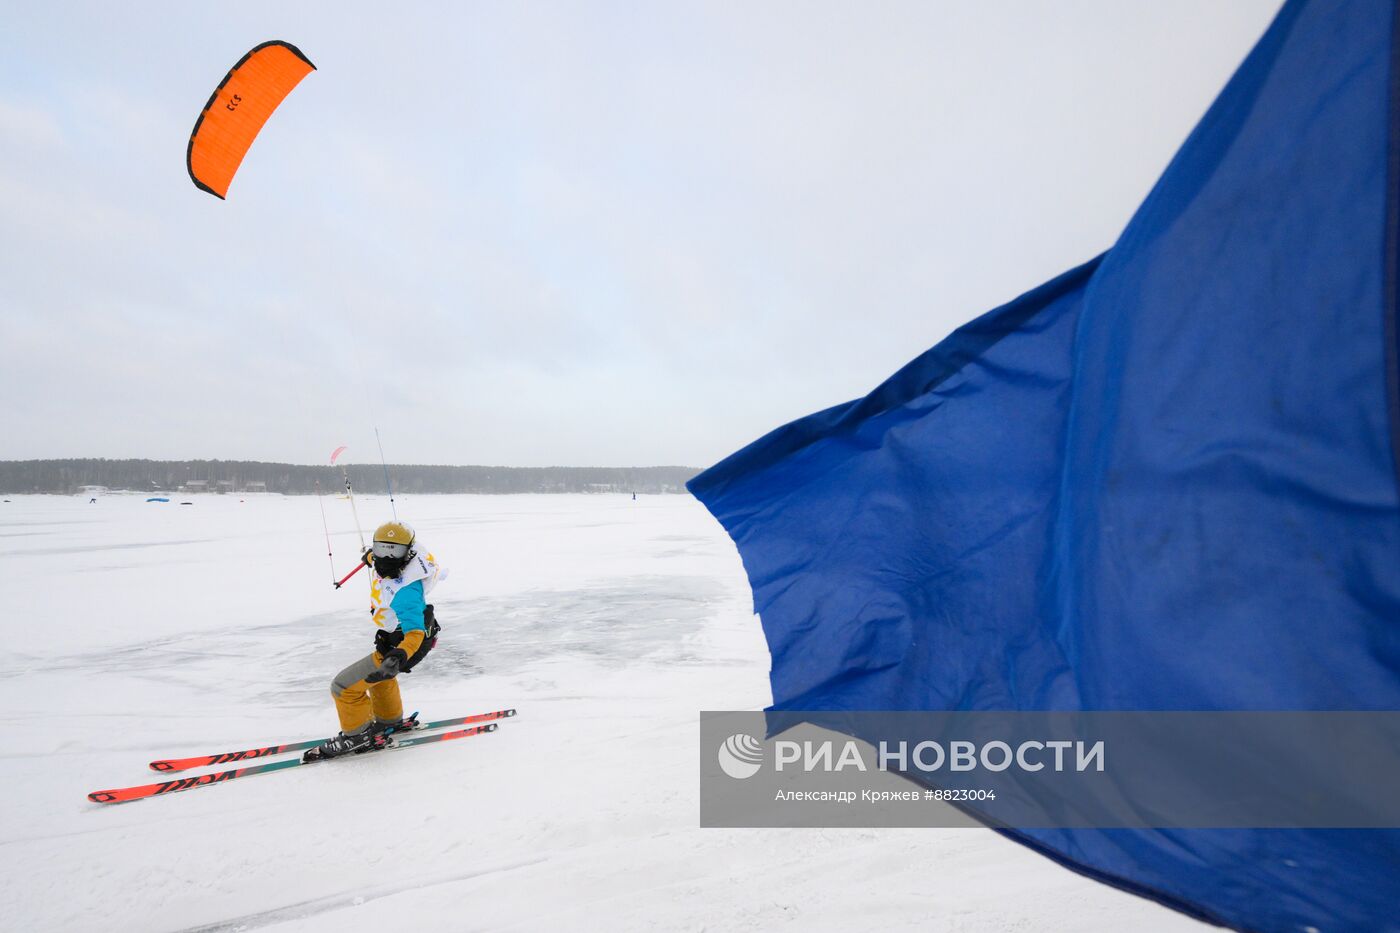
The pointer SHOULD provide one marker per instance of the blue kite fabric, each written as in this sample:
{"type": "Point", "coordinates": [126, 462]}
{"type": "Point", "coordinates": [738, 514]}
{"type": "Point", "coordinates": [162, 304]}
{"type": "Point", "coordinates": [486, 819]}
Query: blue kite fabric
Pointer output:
{"type": "Point", "coordinates": [1165, 480]}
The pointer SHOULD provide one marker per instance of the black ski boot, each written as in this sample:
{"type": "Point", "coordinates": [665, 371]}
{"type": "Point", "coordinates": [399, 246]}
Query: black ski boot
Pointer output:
{"type": "Point", "coordinates": [352, 744]}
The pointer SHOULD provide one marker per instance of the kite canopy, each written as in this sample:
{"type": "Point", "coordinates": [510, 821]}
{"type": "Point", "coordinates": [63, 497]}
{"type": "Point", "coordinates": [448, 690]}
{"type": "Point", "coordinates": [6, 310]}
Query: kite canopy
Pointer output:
{"type": "Point", "coordinates": [237, 110]}
{"type": "Point", "coordinates": [337, 452]}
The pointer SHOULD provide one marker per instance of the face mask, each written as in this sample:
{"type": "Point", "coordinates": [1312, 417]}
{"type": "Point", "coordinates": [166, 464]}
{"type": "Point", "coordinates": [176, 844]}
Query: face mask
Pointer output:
{"type": "Point", "coordinates": [390, 567]}
{"type": "Point", "coordinates": [390, 558]}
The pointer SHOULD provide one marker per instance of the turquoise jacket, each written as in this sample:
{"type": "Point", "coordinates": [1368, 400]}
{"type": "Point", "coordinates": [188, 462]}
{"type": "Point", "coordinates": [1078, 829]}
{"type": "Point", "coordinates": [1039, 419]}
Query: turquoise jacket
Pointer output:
{"type": "Point", "coordinates": [408, 604]}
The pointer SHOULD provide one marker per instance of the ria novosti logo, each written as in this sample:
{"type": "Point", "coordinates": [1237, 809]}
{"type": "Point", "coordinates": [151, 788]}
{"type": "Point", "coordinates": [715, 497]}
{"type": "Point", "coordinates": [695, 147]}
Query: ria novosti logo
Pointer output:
{"type": "Point", "coordinates": [741, 755]}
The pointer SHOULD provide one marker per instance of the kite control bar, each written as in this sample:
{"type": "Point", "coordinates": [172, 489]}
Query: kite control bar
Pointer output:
{"type": "Point", "coordinates": [341, 582]}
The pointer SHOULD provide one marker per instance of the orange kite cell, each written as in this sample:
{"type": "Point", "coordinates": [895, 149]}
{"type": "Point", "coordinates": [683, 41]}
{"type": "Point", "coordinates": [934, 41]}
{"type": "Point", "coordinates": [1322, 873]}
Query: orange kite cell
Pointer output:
{"type": "Point", "coordinates": [237, 110]}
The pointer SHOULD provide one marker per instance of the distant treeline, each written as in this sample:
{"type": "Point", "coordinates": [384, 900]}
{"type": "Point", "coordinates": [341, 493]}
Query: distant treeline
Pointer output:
{"type": "Point", "coordinates": [241, 476]}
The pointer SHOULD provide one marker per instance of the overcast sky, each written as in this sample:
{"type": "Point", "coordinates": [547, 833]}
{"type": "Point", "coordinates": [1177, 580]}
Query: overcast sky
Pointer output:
{"type": "Point", "coordinates": [553, 233]}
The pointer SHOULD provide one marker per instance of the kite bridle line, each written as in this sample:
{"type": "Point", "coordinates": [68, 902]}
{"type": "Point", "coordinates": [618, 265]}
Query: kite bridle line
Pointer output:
{"type": "Point", "coordinates": [320, 500]}
{"type": "Point", "coordinates": [387, 485]}
{"type": "Point", "coordinates": [350, 494]}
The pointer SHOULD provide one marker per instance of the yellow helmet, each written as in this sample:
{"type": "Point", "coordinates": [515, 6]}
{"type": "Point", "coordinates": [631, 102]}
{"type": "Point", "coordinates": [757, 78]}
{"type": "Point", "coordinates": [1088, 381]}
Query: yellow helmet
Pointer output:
{"type": "Point", "coordinates": [392, 540]}
{"type": "Point", "coordinates": [394, 533]}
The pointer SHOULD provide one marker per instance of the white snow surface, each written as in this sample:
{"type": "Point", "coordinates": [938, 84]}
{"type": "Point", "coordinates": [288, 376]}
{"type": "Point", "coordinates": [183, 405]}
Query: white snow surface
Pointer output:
{"type": "Point", "coordinates": [142, 630]}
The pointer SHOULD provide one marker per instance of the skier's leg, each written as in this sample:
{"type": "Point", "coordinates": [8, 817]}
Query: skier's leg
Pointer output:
{"type": "Point", "coordinates": [351, 694]}
{"type": "Point", "coordinates": [385, 700]}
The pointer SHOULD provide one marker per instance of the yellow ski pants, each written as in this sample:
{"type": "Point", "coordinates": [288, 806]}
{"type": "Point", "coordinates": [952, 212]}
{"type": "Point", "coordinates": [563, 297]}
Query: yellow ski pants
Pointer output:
{"type": "Point", "coordinates": [357, 702]}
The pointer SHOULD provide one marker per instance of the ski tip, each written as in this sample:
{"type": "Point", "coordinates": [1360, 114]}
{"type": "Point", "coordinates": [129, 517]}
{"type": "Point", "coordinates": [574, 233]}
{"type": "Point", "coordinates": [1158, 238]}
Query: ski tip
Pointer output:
{"type": "Point", "coordinates": [162, 766]}
{"type": "Point", "coordinates": [102, 796]}
{"type": "Point", "coordinates": [490, 727]}
{"type": "Point", "coordinates": [507, 713]}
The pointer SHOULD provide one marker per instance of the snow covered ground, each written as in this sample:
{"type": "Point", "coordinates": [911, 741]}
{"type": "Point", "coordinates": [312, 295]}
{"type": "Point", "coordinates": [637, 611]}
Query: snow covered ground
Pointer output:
{"type": "Point", "coordinates": [136, 631]}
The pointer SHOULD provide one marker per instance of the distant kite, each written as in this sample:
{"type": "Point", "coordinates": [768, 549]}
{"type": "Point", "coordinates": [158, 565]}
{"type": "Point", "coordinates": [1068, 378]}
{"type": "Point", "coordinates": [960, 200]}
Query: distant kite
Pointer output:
{"type": "Point", "coordinates": [237, 110]}
{"type": "Point", "coordinates": [338, 451]}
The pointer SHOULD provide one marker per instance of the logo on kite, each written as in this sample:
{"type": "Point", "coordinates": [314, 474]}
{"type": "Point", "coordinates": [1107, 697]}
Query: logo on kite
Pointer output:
{"type": "Point", "coordinates": [237, 110]}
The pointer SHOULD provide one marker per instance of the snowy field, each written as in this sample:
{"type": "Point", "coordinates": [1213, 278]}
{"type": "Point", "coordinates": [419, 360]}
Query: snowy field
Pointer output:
{"type": "Point", "coordinates": [139, 631]}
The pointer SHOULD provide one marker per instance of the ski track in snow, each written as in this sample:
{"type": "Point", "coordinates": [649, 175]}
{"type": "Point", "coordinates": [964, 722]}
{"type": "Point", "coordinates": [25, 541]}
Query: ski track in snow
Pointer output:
{"type": "Point", "coordinates": [608, 623]}
{"type": "Point", "coordinates": [340, 901]}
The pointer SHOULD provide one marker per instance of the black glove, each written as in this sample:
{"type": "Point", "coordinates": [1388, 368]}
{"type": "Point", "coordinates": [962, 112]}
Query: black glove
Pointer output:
{"type": "Point", "coordinates": [389, 667]}
{"type": "Point", "coordinates": [386, 641]}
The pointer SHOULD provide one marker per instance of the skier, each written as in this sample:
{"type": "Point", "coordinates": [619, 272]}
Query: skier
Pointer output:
{"type": "Point", "coordinates": [367, 692]}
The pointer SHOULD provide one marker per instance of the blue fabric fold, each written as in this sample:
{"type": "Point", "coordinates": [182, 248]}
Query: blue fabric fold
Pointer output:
{"type": "Point", "coordinates": [1166, 479]}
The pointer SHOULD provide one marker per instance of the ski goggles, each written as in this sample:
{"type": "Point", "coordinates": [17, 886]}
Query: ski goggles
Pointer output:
{"type": "Point", "coordinates": [390, 549]}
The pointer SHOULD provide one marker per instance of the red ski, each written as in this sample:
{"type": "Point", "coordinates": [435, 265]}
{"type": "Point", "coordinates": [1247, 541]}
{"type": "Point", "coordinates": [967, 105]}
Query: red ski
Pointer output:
{"type": "Point", "coordinates": [203, 761]}
{"type": "Point", "coordinates": [124, 794]}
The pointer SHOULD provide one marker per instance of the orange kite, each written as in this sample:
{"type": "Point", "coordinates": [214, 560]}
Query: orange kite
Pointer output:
{"type": "Point", "coordinates": [237, 110]}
